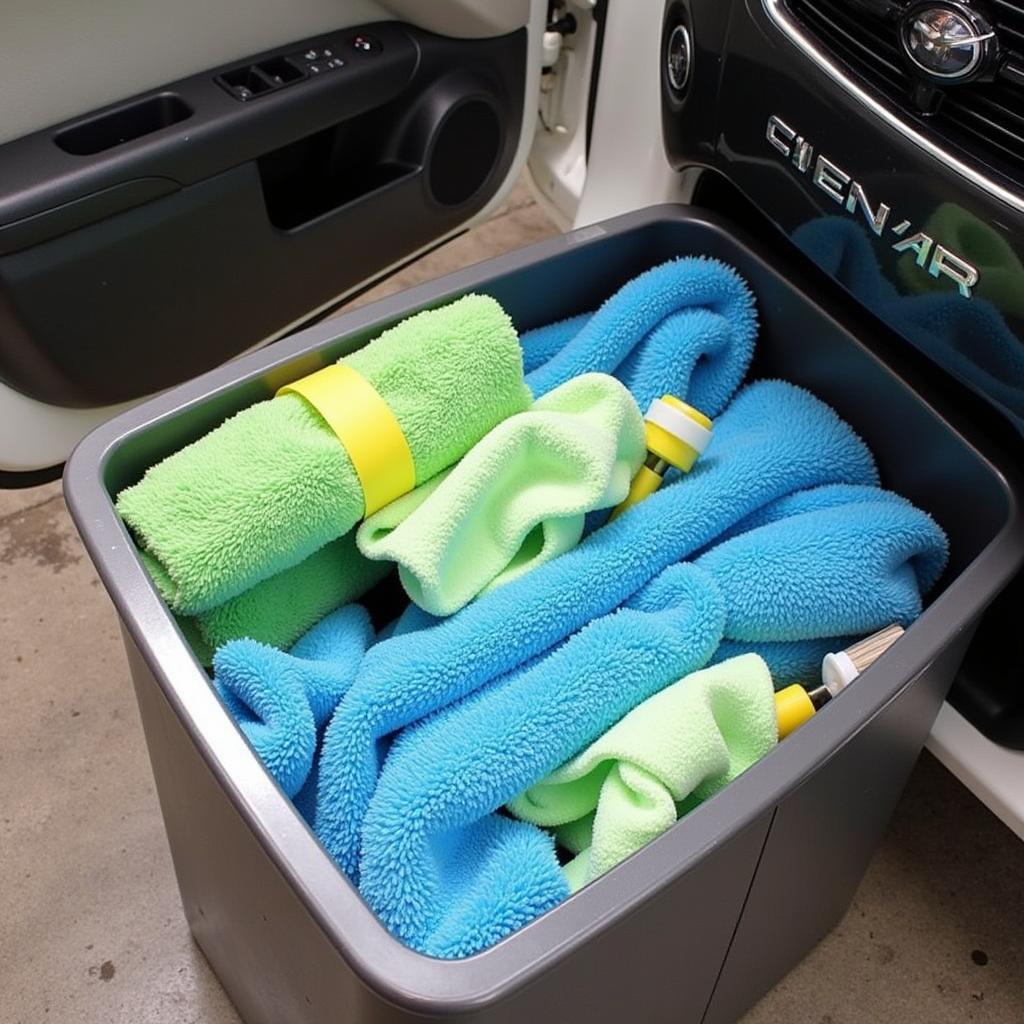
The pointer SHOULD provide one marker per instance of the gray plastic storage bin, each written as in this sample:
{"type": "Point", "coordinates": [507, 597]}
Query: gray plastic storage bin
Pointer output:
{"type": "Point", "coordinates": [700, 923]}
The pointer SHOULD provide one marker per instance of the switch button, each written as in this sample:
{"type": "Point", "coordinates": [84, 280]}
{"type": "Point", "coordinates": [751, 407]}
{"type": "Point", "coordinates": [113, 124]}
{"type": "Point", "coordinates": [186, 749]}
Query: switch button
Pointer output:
{"type": "Point", "coordinates": [366, 44]}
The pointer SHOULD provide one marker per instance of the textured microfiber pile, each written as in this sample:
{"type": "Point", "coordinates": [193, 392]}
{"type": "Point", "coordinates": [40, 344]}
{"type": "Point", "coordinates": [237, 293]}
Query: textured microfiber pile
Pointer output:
{"type": "Point", "coordinates": [447, 874]}
{"type": "Point", "coordinates": [676, 749]}
{"type": "Point", "coordinates": [281, 700]}
{"type": "Point", "coordinates": [591, 691]}
{"type": "Point", "coordinates": [442, 722]}
{"type": "Point", "coordinates": [518, 499]}
{"type": "Point", "coordinates": [774, 439]}
{"type": "Point", "coordinates": [280, 609]}
{"type": "Point", "coordinates": [686, 328]}
{"type": "Point", "coordinates": [867, 555]}
{"type": "Point", "coordinates": [272, 485]}
{"type": "Point", "coordinates": [431, 812]}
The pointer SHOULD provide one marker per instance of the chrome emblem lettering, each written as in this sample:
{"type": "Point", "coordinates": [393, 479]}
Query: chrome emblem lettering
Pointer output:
{"type": "Point", "coordinates": [847, 192]}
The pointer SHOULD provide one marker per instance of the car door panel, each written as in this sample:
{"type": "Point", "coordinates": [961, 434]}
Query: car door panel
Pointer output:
{"type": "Point", "coordinates": [339, 173]}
{"type": "Point", "coordinates": [63, 58]}
{"type": "Point", "coordinates": [147, 241]}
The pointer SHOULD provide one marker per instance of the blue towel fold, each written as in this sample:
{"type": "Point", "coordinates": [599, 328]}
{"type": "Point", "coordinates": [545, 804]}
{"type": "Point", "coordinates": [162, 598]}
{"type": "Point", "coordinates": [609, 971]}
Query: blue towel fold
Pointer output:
{"type": "Point", "coordinates": [280, 700]}
{"type": "Point", "coordinates": [845, 570]}
{"type": "Point", "coordinates": [465, 713]}
{"type": "Point", "coordinates": [542, 344]}
{"type": "Point", "coordinates": [793, 661]}
{"type": "Point", "coordinates": [832, 571]}
{"type": "Point", "coordinates": [788, 661]}
{"type": "Point", "coordinates": [775, 438]}
{"type": "Point", "coordinates": [686, 328]}
{"type": "Point", "coordinates": [810, 500]}
{"type": "Point", "coordinates": [778, 542]}
{"type": "Point", "coordinates": [429, 808]}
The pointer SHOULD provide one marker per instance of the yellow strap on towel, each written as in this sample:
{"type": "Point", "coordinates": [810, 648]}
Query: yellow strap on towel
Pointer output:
{"type": "Point", "coordinates": [366, 426]}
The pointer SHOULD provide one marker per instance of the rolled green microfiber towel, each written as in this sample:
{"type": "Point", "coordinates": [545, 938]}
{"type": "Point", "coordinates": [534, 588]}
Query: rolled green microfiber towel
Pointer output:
{"type": "Point", "coordinates": [279, 610]}
{"type": "Point", "coordinates": [517, 499]}
{"type": "Point", "coordinates": [671, 752]}
{"type": "Point", "coordinates": [273, 484]}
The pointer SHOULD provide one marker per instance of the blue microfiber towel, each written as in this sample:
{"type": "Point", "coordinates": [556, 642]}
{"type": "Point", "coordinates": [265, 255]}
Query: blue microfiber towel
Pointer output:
{"type": "Point", "coordinates": [419, 867]}
{"type": "Point", "coordinates": [281, 700]}
{"type": "Point", "coordinates": [788, 661]}
{"type": "Point", "coordinates": [800, 660]}
{"type": "Point", "coordinates": [845, 570]}
{"type": "Point", "coordinates": [970, 338]}
{"type": "Point", "coordinates": [774, 439]}
{"type": "Point", "coordinates": [785, 581]}
{"type": "Point", "coordinates": [542, 344]}
{"type": "Point", "coordinates": [811, 499]}
{"type": "Point", "coordinates": [686, 327]}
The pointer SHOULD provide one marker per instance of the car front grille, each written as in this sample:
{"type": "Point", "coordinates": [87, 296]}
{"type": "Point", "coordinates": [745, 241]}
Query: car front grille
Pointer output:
{"type": "Point", "coordinates": [985, 120]}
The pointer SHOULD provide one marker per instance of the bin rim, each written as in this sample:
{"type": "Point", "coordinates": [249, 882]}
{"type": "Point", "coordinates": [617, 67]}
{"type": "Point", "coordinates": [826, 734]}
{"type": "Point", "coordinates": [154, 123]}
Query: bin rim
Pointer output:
{"type": "Point", "coordinates": [406, 978]}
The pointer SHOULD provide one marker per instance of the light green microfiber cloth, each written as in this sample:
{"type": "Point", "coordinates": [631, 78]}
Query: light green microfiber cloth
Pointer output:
{"type": "Point", "coordinates": [273, 484]}
{"type": "Point", "coordinates": [518, 499]}
{"type": "Point", "coordinates": [671, 752]}
{"type": "Point", "coordinates": [279, 610]}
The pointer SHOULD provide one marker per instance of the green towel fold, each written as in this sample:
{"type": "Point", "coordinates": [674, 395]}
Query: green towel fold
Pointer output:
{"type": "Point", "coordinates": [279, 610]}
{"type": "Point", "coordinates": [671, 752]}
{"type": "Point", "coordinates": [273, 484]}
{"type": "Point", "coordinates": [517, 499]}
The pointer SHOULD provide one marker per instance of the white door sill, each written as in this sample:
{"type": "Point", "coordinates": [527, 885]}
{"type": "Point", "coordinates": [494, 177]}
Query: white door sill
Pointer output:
{"type": "Point", "coordinates": [993, 773]}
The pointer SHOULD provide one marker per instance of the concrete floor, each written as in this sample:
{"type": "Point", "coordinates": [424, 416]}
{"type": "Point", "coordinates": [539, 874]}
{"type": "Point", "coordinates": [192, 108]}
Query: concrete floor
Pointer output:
{"type": "Point", "coordinates": [91, 929]}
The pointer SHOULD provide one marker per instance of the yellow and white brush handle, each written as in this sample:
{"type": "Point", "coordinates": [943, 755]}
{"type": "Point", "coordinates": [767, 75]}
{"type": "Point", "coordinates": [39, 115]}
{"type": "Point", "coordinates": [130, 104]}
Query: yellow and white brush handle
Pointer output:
{"type": "Point", "coordinates": [796, 703]}
{"type": "Point", "coordinates": [676, 435]}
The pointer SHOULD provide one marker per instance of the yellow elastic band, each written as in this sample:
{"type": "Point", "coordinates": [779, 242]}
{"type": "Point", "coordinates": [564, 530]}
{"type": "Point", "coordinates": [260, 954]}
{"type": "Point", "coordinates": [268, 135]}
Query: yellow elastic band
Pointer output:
{"type": "Point", "coordinates": [366, 427]}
